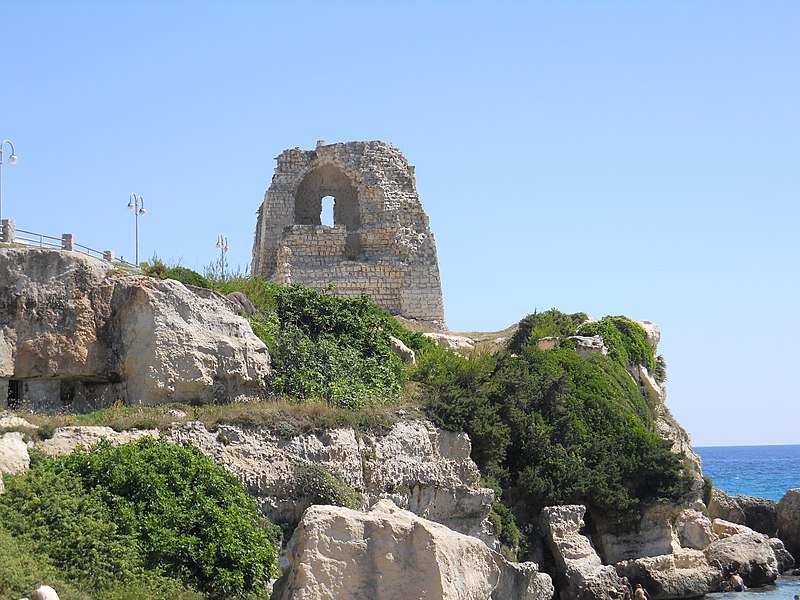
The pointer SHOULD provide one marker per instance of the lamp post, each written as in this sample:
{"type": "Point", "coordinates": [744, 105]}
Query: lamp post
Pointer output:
{"type": "Point", "coordinates": [12, 160]}
{"type": "Point", "coordinates": [222, 244]}
{"type": "Point", "coordinates": [136, 204]}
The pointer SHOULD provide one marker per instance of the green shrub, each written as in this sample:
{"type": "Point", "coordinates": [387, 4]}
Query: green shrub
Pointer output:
{"type": "Point", "coordinates": [626, 341]}
{"type": "Point", "coordinates": [187, 277]}
{"type": "Point", "coordinates": [158, 269]}
{"type": "Point", "coordinates": [65, 535]}
{"type": "Point", "coordinates": [335, 349]}
{"type": "Point", "coordinates": [316, 482]}
{"type": "Point", "coordinates": [505, 528]}
{"type": "Point", "coordinates": [71, 526]}
{"type": "Point", "coordinates": [190, 517]}
{"type": "Point", "coordinates": [551, 323]}
{"type": "Point", "coordinates": [23, 568]}
{"type": "Point", "coordinates": [560, 427]}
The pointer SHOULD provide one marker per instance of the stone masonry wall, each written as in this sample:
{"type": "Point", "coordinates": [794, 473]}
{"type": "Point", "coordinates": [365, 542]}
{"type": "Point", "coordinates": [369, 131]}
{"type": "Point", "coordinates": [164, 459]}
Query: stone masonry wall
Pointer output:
{"type": "Point", "coordinates": [380, 243]}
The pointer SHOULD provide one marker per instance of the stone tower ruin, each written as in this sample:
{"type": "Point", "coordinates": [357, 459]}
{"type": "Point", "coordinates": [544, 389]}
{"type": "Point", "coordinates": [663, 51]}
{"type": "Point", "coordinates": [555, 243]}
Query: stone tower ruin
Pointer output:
{"type": "Point", "coordinates": [380, 242]}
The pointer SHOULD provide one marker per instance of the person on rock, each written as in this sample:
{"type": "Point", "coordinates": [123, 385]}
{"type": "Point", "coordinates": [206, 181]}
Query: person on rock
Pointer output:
{"type": "Point", "coordinates": [736, 581]}
{"type": "Point", "coordinates": [640, 594]}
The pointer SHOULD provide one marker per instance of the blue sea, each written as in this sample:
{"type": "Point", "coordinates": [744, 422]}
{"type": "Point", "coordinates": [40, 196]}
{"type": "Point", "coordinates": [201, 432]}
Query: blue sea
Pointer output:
{"type": "Point", "coordinates": [763, 471]}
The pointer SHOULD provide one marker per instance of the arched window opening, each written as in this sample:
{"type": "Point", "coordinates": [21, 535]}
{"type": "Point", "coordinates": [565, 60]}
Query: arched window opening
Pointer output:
{"type": "Point", "coordinates": [326, 196]}
{"type": "Point", "coordinates": [326, 217]}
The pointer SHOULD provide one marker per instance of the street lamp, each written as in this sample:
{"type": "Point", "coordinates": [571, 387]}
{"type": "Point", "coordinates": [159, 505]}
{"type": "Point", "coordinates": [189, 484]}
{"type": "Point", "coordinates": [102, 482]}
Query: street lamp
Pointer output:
{"type": "Point", "coordinates": [136, 204]}
{"type": "Point", "coordinates": [222, 244]}
{"type": "Point", "coordinates": [12, 160]}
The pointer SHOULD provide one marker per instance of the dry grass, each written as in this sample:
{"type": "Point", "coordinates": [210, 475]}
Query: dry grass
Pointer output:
{"type": "Point", "coordinates": [280, 416]}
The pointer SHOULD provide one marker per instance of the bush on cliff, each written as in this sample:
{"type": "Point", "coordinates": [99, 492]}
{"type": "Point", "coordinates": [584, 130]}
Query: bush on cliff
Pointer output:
{"type": "Point", "coordinates": [626, 341]}
{"type": "Point", "coordinates": [327, 347]}
{"type": "Point", "coordinates": [545, 324]}
{"type": "Point", "coordinates": [160, 270]}
{"type": "Point", "coordinates": [126, 516]}
{"type": "Point", "coordinates": [559, 427]}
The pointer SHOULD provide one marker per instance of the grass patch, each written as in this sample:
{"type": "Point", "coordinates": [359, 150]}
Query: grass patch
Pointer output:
{"type": "Point", "coordinates": [281, 416]}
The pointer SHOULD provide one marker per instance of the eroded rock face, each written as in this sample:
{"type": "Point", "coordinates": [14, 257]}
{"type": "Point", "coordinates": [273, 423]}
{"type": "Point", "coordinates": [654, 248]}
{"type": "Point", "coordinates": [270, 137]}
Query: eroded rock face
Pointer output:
{"type": "Point", "coordinates": [450, 341]}
{"type": "Point", "coordinates": [789, 521]}
{"type": "Point", "coordinates": [695, 530]}
{"type": "Point", "coordinates": [13, 453]}
{"type": "Point", "coordinates": [581, 575]}
{"type": "Point", "coordinates": [758, 514]}
{"type": "Point", "coordinates": [422, 469]}
{"type": "Point", "coordinates": [77, 335]}
{"type": "Point", "coordinates": [67, 439]}
{"type": "Point", "coordinates": [653, 537]}
{"type": "Point", "coordinates": [783, 557]}
{"type": "Point", "coordinates": [682, 574]}
{"type": "Point", "coordinates": [748, 552]}
{"type": "Point", "coordinates": [389, 553]}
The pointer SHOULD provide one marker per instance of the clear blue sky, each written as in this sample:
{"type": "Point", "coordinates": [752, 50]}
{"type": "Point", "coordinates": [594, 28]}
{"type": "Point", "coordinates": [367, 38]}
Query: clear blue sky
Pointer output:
{"type": "Point", "coordinates": [638, 158]}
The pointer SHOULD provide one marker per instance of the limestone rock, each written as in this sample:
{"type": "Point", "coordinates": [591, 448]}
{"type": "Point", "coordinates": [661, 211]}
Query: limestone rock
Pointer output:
{"type": "Point", "coordinates": [406, 354]}
{"type": "Point", "coordinates": [725, 507]}
{"type": "Point", "coordinates": [750, 553]}
{"type": "Point", "coordinates": [13, 453]}
{"type": "Point", "coordinates": [75, 334]}
{"type": "Point", "coordinates": [423, 469]}
{"type": "Point", "coordinates": [653, 333]}
{"type": "Point", "coordinates": [581, 575]}
{"type": "Point", "coordinates": [179, 347]}
{"type": "Point", "coordinates": [758, 514]}
{"type": "Point", "coordinates": [44, 592]}
{"type": "Point", "coordinates": [547, 343]}
{"type": "Point", "coordinates": [586, 345]}
{"type": "Point", "coordinates": [725, 528]}
{"type": "Point", "coordinates": [390, 553]}
{"type": "Point", "coordinates": [11, 421]}
{"type": "Point", "coordinates": [683, 574]}
{"type": "Point", "coordinates": [789, 521]}
{"type": "Point", "coordinates": [654, 535]}
{"type": "Point", "coordinates": [67, 439]}
{"type": "Point", "coordinates": [695, 530]}
{"type": "Point", "coordinates": [420, 468]}
{"type": "Point", "coordinates": [241, 303]}
{"type": "Point", "coordinates": [782, 555]}
{"type": "Point", "coordinates": [452, 342]}
{"type": "Point", "coordinates": [665, 552]}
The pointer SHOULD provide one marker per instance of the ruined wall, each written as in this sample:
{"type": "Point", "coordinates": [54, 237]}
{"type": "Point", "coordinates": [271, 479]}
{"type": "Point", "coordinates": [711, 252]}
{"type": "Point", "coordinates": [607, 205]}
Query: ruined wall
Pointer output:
{"type": "Point", "coordinates": [380, 243]}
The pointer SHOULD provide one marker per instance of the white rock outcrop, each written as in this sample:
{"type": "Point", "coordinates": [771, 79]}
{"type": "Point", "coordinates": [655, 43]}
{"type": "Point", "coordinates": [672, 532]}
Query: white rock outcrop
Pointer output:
{"type": "Point", "coordinates": [419, 467]}
{"type": "Point", "coordinates": [389, 553]}
{"type": "Point", "coordinates": [44, 592]}
{"type": "Point", "coordinates": [581, 573]}
{"type": "Point", "coordinates": [423, 469]}
{"type": "Point", "coordinates": [789, 521]}
{"type": "Point", "coordinates": [77, 334]}
{"type": "Point", "coordinates": [682, 574]}
{"type": "Point", "coordinates": [13, 453]}
{"type": "Point", "coordinates": [748, 552]}
{"type": "Point", "coordinates": [67, 439]}
{"type": "Point", "coordinates": [450, 341]}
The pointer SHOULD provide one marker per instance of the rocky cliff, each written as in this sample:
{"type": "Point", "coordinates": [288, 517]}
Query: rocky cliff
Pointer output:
{"type": "Point", "coordinates": [77, 334]}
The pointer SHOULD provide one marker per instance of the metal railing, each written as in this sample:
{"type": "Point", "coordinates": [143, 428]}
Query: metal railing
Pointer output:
{"type": "Point", "coordinates": [37, 239]}
{"type": "Point", "coordinates": [9, 234]}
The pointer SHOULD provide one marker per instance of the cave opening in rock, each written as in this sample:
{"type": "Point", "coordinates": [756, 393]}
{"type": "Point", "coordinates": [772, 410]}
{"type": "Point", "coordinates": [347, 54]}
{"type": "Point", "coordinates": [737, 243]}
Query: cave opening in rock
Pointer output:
{"type": "Point", "coordinates": [14, 394]}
